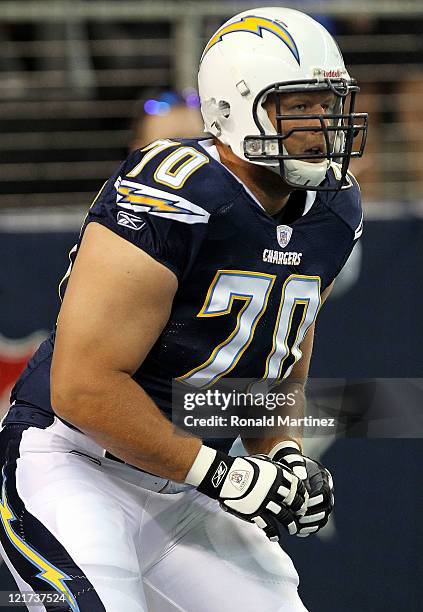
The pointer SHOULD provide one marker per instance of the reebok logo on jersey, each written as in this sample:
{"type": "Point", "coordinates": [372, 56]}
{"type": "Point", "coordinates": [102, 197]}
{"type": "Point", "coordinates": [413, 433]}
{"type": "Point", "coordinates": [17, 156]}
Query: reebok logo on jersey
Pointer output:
{"type": "Point", "coordinates": [217, 477]}
{"type": "Point", "coordinates": [281, 258]}
{"type": "Point", "coordinates": [239, 479]}
{"type": "Point", "coordinates": [128, 220]}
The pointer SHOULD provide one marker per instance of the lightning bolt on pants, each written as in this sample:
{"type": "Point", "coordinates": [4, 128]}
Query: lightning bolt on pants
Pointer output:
{"type": "Point", "coordinates": [110, 537]}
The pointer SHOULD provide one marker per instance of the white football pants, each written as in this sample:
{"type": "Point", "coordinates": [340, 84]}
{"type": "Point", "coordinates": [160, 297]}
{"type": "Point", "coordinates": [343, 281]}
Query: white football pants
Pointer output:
{"type": "Point", "coordinates": [135, 542]}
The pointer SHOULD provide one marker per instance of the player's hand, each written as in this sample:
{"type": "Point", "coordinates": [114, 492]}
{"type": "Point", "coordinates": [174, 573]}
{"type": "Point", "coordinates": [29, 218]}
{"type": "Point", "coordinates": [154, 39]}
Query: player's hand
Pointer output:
{"type": "Point", "coordinates": [318, 481]}
{"type": "Point", "coordinates": [321, 498]}
{"type": "Point", "coordinates": [255, 489]}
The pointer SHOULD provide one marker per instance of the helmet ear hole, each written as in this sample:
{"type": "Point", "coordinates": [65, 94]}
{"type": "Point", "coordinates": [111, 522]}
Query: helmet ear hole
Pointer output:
{"type": "Point", "coordinates": [224, 109]}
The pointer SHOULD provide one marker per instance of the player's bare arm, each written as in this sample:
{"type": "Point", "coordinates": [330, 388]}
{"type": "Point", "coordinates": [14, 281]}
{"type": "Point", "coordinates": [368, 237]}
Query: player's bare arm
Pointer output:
{"type": "Point", "coordinates": [294, 383]}
{"type": "Point", "coordinates": [117, 287]}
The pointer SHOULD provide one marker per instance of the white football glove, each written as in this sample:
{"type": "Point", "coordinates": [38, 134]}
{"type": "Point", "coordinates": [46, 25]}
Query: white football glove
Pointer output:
{"type": "Point", "coordinates": [318, 481]}
{"type": "Point", "coordinates": [253, 488]}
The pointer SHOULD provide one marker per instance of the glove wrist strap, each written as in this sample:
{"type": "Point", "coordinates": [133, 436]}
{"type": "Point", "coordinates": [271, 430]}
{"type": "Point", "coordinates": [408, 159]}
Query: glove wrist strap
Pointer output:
{"type": "Point", "coordinates": [209, 470]}
{"type": "Point", "coordinates": [280, 449]}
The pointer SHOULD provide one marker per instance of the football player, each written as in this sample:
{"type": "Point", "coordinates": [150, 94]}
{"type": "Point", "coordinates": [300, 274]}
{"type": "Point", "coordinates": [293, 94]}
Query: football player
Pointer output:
{"type": "Point", "coordinates": [198, 260]}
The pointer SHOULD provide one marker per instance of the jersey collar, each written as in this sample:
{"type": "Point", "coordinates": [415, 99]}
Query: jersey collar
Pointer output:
{"type": "Point", "coordinates": [211, 149]}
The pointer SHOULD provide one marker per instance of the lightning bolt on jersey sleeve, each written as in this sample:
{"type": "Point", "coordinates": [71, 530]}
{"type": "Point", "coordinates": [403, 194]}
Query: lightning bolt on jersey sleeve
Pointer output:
{"type": "Point", "coordinates": [152, 202]}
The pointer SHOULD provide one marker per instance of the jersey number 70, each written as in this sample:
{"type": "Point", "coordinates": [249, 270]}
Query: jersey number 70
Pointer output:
{"type": "Point", "coordinates": [254, 289]}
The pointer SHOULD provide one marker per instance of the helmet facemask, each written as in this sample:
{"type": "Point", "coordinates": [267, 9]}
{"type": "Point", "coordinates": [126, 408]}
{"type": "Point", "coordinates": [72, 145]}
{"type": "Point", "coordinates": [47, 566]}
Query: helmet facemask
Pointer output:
{"type": "Point", "coordinates": [339, 129]}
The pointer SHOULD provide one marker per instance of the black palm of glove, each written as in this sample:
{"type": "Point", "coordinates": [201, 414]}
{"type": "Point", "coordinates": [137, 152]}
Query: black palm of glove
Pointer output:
{"type": "Point", "coordinates": [321, 498]}
{"type": "Point", "coordinates": [318, 481]}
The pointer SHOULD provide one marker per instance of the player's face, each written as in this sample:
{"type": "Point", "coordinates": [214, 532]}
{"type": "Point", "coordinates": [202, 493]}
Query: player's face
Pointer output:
{"type": "Point", "coordinates": [300, 104]}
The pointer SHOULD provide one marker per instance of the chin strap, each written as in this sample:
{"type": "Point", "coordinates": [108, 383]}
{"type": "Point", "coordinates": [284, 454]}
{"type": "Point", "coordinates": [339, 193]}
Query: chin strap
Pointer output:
{"type": "Point", "coordinates": [305, 173]}
{"type": "Point", "coordinates": [301, 173]}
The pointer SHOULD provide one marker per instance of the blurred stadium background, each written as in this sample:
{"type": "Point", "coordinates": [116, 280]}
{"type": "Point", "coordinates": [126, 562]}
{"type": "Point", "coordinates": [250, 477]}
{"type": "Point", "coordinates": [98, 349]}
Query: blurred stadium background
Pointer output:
{"type": "Point", "coordinates": [71, 72]}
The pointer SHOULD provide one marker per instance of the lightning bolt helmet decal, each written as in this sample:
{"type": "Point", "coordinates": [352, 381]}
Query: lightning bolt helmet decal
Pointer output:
{"type": "Point", "coordinates": [256, 25]}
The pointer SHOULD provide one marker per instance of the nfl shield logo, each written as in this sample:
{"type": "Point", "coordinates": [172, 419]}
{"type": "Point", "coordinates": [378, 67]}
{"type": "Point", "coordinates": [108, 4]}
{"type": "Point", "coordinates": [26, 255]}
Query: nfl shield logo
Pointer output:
{"type": "Point", "coordinates": [283, 233]}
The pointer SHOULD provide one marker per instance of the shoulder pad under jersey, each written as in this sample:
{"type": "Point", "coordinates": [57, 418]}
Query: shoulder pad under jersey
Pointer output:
{"type": "Point", "coordinates": [177, 180]}
{"type": "Point", "coordinates": [161, 200]}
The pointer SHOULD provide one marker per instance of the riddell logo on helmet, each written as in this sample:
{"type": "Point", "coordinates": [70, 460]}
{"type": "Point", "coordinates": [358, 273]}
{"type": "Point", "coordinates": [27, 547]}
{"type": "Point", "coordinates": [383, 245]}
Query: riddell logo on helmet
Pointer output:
{"type": "Point", "coordinates": [332, 74]}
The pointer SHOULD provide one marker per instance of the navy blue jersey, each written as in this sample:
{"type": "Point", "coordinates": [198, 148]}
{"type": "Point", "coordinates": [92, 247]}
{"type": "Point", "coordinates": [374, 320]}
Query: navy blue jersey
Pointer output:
{"type": "Point", "coordinates": [249, 284]}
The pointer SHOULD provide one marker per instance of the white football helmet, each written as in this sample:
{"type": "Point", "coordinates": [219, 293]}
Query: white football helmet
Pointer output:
{"type": "Point", "coordinates": [275, 51]}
